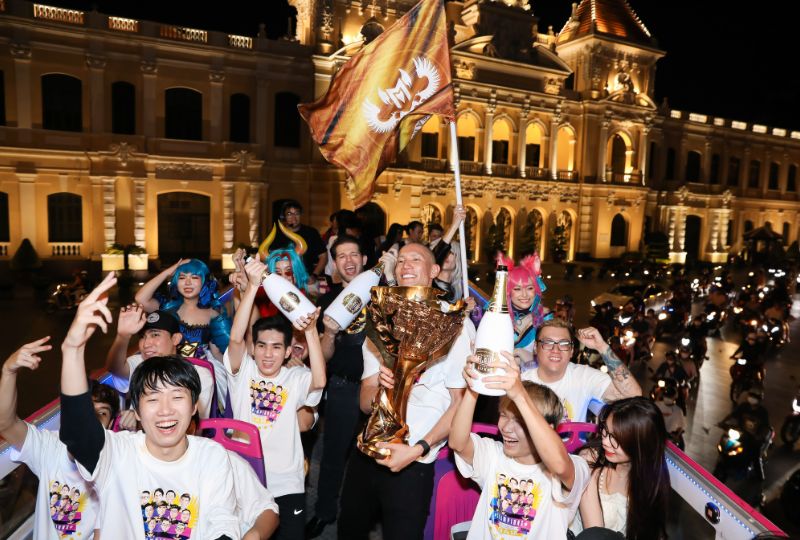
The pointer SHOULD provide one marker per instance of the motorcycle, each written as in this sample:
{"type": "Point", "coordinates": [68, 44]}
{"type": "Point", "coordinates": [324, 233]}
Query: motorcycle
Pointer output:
{"type": "Point", "coordinates": [61, 297]}
{"type": "Point", "coordinates": [777, 333]}
{"type": "Point", "coordinates": [790, 431]}
{"type": "Point", "coordinates": [743, 377]}
{"type": "Point", "coordinates": [741, 462]}
{"type": "Point", "coordinates": [671, 320]}
{"type": "Point", "coordinates": [681, 390]}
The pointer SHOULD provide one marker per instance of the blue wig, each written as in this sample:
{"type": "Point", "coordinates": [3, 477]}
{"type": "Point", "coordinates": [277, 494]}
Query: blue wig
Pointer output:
{"type": "Point", "coordinates": [209, 299]}
{"type": "Point", "coordinates": [298, 268]}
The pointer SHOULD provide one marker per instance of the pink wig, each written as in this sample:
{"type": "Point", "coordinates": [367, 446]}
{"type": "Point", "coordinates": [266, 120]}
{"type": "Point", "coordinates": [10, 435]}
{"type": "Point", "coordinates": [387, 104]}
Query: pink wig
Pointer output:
{"type": "Point", "coordinates": [528, 269]}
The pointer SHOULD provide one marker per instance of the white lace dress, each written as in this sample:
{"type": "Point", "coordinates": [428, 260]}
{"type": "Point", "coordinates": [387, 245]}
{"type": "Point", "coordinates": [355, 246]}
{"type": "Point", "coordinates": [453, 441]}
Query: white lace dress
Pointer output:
{"type": "Point", "coordinates": [614, 506]}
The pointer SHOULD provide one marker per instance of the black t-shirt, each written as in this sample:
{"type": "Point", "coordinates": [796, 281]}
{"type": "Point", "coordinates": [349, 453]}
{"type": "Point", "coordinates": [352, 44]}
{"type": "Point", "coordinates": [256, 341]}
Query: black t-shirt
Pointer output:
{"type": "Point", "coordinates": [316, 246]}
{"type": "Point", "coordinates": [347, 361]}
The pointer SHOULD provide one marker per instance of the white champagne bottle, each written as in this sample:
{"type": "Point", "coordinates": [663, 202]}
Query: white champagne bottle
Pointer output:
{"type": "Point", "coordinates": [288, 298]}
{"type": "Point", "coordinates": [348, 304]}
{"type": "Point", "coordinates": [495, 334]}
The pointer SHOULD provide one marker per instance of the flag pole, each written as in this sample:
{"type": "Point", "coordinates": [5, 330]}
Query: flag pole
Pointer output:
{"type": "Point", "coordinates": [461, 236]}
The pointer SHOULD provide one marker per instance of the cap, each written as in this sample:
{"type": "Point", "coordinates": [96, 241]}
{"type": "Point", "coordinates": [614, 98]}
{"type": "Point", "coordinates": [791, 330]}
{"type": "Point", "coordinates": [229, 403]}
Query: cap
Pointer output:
{"type": "Point", "coordinates": [161, 320]}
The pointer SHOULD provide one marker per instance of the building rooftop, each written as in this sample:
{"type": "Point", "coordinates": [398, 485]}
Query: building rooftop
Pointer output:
{"type": "Point", "coordinates": [614, 18]}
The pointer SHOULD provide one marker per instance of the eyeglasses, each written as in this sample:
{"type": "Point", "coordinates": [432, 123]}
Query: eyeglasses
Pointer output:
{"type": "Point", "coordinates": [605, 434]}
{"type": "Point", "coordinates": [548, 344]}
{"type": "Point", "coordinates": [293, 214]}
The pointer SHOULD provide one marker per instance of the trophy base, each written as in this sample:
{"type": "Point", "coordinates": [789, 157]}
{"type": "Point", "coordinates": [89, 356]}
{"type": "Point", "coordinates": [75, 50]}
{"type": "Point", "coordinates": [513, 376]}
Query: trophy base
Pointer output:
{"type": "Point", "coordinates": [370, 446]}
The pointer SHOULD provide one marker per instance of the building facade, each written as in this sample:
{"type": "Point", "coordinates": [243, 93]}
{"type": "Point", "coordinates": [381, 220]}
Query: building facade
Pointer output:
{"type": "Point", "coordinates": [179, 140]}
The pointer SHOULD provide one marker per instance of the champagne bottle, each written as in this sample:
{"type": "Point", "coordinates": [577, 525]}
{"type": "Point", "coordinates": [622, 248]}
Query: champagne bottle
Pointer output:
{"type": "Point", "coordinates": [288, 298]}
{"type": "Point", "coordinates": [495, 334]}
{"type": "Point", "coordinates": [354, 297]}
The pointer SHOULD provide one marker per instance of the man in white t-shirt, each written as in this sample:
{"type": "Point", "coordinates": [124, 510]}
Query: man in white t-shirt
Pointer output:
{"type": "Point", "coordinates": [398, 489]}
{"type": "Point", "coordinates": [136, 474]}
{"type": "Point", "coordinates": [268, 394]}
{"type": "Point", "coordinates": [66, 504]}
{"type": "Point", "coordinates": [159, 335]}
{"type": "Point", "coordinates": [576, 384]}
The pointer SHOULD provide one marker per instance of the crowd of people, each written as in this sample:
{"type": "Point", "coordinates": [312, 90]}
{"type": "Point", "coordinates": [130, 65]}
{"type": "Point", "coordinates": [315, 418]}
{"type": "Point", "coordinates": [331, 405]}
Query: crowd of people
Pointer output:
{"type": "Point", "coordinates": [140, 472]}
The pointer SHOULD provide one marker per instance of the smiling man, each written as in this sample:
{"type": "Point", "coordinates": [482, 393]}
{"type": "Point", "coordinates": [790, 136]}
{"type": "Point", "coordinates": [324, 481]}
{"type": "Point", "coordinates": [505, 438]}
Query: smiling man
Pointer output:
{"type": "Point", "coordinates": [124, 465]}
{"type": "Point", "coordinates": [576, 385]}
{"type": "Point", "coordinates": [383, 488]}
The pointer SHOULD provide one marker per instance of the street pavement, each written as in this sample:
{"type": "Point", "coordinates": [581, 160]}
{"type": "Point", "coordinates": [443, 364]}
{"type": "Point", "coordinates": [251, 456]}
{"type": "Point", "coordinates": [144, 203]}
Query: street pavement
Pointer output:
{"type": "Point", "coordinates": [23, 319]}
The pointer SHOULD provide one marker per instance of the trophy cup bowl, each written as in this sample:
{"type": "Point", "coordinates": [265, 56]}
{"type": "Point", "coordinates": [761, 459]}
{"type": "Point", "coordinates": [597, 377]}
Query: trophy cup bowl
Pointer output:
{"type": "Point", "coordinates": [409, 329]}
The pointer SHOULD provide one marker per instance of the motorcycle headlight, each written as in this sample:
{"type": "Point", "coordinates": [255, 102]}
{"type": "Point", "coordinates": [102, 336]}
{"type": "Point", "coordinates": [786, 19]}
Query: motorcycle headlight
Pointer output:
{"type": "Point", "coordinates": [662, 383]}
{"type": "Point", "coordinates": [765, 327]}
{"type": "Point", "coordinates": [754, 322]}
{"type": "Point", "coordinates": [734, 435]}
{"type": "Point", "coordinates": [737, 310]}
{"type": "Point", "coordinates": [775, 329]}
{"type": "Point", "coordinates": [628, 334]}
{"type": "Point", "coordinates": [795, 406]}
{"type": "Point", "coordinates": [685, 342]}
{"type": "Point", "coordinates": [710, 317]}
{"type": "Point", "coordinates": [662, 316]}
{"type": "Point", "coordinates": [742, 362]}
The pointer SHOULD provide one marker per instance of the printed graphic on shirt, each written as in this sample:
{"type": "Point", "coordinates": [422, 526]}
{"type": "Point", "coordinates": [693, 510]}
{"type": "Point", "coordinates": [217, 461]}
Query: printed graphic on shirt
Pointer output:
{"type": "Point", "coordinates": [168, 514]}
{"type": "Point", "coordinates": [512, 506]}
{"type": "Point", "coordinates": [569, 411]}
{"type": "Point", "coordinates": [266, 402]}
{"type": "Point", "coordinates": [66, 508]}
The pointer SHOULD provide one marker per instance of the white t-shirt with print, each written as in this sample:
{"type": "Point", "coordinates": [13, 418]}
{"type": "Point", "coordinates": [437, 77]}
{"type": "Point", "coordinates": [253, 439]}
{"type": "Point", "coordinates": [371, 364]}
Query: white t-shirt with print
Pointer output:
{"type": "Point", "coordinates": [271, 404]}
{"type": "Point", "coordinates": [148, 498]}
{"type": "Point", "coordinates": [576, 389]}
{"type": "Point", "coordinates": [429, 397]}
{"type": "Point", "coordinates": [252, 498]}
{"type": "Point", "coordinates": [519, 501]}
{"type": "Point", "coordinates": [206, 384]}
{"type": "Point", "coordinates": [66, 505]}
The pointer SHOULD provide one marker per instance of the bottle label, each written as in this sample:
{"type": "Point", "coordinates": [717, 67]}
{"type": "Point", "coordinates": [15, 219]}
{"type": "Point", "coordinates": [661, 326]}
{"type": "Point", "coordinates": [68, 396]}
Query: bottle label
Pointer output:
{"type": "Point", "coordinates": [352, 303]}
{"type": "Point", "coordinates": [289, 301]}
{"type": "Point", "coordinates": [485, 357]}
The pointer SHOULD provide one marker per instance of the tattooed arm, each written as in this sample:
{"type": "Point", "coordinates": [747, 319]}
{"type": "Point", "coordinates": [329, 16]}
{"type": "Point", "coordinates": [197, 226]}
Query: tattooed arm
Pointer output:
{"type": "Point", "coordinates": [623, 383]}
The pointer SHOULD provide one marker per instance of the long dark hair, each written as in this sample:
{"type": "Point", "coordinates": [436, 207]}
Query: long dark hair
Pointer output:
{"type": "Point", "coordinates": [639, 429]}
{"type": "Point", "coordinates": [394, 235]}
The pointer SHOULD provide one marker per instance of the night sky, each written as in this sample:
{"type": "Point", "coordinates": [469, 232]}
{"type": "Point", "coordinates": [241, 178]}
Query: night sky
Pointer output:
{"type": "Point", "coordinates": [722, 59]}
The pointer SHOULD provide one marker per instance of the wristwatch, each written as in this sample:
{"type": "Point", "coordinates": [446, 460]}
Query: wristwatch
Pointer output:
{"type": "Point", "coordinates": [425, 446]}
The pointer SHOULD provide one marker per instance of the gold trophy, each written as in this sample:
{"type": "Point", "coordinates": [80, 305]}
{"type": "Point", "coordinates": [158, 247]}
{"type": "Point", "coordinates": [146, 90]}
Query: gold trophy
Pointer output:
{"type": "Point", "coordinates": [409, 329]}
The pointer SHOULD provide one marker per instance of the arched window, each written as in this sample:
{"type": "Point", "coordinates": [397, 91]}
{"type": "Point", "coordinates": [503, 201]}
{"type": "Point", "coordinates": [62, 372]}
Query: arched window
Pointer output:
{"type": "Point", "coordinates": [755, 174]}
{"type": "Point", "coordinates": [713, 175]}
{"type": "Point", "coordinates": [619, 148]}
{"type": "Point", "coordinates": [430, 138]}
{"type": "Point", "coordinates": [791, 179]}
{"type": "Point", "coordinates": [64, 218]}
{"type": "Point", "coordinates": [774, 170]}
{"type": "Point", "coordinates": [501, 136]}
{"type": "Point", "coordinates": [466, 131]}
{"type": "Point", "coordinates": [619, 231]}
{"type": "Point", "coordinates": [61, 102]}
{"type": "Point", "coordinates": [734, 164]}
{"type": "Point", "coordinates": [287, 120]}
{"type": "Point", "coordinates": [123, 108]}
{"type": "Point", "coordinates": [5, 226]}
{"type": "Point", "coordinates": [240, 118]}
{"type": "Point", "coordinates": [533, 145]}
{"type": "Point", "coordinates": [565, 149]}
{"type": "Point", "coordinates": [670, 173]}
{"type": "Point", "coordinates": [183, 114]}
{"type": "Point", "coordinates": [693, 166]}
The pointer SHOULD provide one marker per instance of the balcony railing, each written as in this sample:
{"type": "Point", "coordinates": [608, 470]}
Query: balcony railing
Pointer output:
{"type": "Point", "coordinates": [65, 249]}
{"type": "Point", "coordinates": [56, 14]}
{"type": "Point", "coordinates": [433, 164]}
{"type": "Point", "coordinates": [471, 167]}
{"type": "Point", "coordinates": [616, 177]}
{"type": "Point", "coordinates": [123, 25]}
{"type": "Point", "coordinates": [501, 169]}
{"type": "Point", "coordinates": [567, 176]}
{"type": "Point", "coordinates": [182, 33]}
{"type": "Point", "coordinates": [537, 173]}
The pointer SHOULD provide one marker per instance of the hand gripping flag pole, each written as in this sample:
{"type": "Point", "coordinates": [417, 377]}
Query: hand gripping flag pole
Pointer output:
{"type": "Point", "coordinates": [462, 240]}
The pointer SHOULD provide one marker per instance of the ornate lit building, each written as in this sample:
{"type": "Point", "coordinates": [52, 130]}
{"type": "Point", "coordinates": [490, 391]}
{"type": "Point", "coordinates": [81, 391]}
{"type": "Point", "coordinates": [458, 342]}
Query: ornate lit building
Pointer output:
{"type": "Point", "coordinates": [179, 140]}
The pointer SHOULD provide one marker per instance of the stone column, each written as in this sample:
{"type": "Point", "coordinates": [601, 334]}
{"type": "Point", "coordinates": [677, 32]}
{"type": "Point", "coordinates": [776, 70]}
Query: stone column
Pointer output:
{"type": "Point", "coordinates": [227, 215]}
{"type": "Point", "coordinates": [744, 169]}
{"type": "Point", "coordinates": [553, 155]}
{"type": "Point", "coordinates": [149, 99]}
{"type": "Point", "coordinates": [216, 106]}
{"type": "Point", "coordinates": [27, 202]}
{"type": "Point", "coordinates": [255, 213]}
{"type": "Point", "coordinates": [725, 165]}
{"type": "Point", "coordinates": [763, 181]}
{"type": "Point", "coordinates": [97, 101]}
{"type": "Point", "coordinates": [521, 143]}
{"type": "Point", "coordinates": [707, 162]}
{"type": "Point", "coordinates": [487, 140]}
{"type": "Point", "coordinates": [262, 111]}
{"type": "Point", "coordinates": [109, 210]}
{"type": "Point", "coordinates": [139, 206]}
{"type": "Point", "coordinates": [601, 150]}
{"type": "Point", "coordinates": [680, 166]}
{"type": "Point", "coordinates": [22, 76]}
{"type": "Point", "coordinates": [783, 173]}
{"type": "Point", "coordinates": [644, 150]}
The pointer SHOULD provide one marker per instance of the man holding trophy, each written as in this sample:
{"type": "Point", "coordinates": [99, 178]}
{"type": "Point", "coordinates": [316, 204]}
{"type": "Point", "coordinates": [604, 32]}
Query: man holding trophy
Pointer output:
{"type": "Point", "coordinates": [412, 382]}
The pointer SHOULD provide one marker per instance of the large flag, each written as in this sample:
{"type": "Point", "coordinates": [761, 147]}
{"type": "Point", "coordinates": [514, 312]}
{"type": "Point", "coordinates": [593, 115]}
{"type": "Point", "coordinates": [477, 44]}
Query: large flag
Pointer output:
{"type": "Point", "coordinates": [383, 95]}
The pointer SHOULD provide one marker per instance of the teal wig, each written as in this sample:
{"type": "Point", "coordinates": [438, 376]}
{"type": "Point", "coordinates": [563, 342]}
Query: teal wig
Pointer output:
{"type": "Point", "coordinates": [298, 268]}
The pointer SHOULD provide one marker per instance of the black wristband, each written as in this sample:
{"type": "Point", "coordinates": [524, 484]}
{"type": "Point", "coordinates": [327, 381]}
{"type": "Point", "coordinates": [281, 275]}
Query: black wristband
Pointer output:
{"type": "Point", "coordinates": [425, 446]}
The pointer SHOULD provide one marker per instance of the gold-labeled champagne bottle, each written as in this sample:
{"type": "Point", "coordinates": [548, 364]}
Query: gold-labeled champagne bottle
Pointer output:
{"type": "Point", "coordinates": [495, 335]}
{"type": "Point", "coordinates": [348, 304]}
